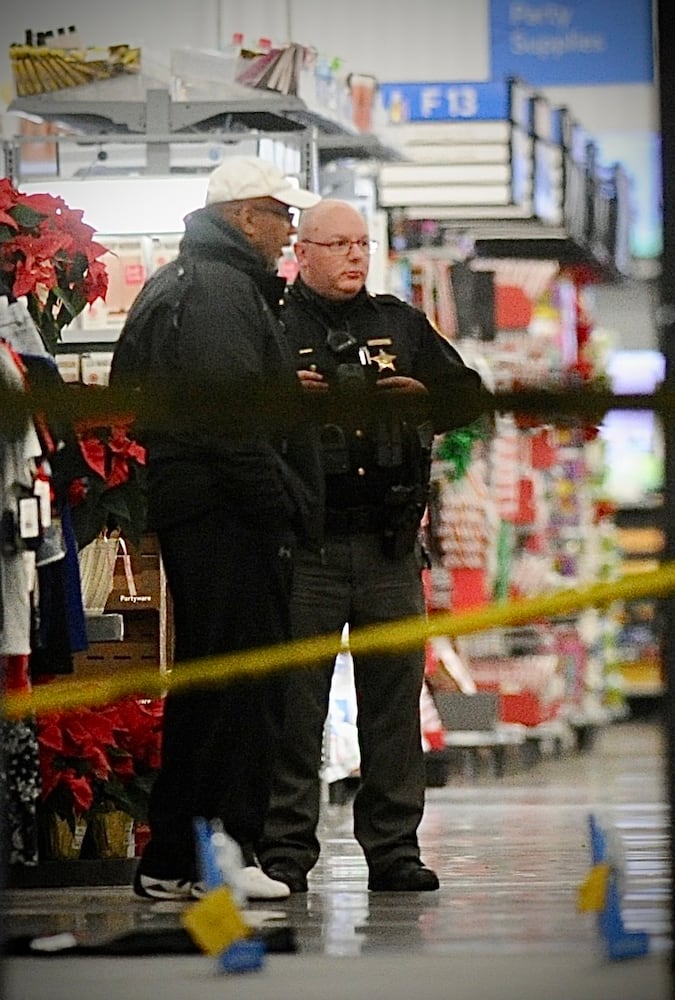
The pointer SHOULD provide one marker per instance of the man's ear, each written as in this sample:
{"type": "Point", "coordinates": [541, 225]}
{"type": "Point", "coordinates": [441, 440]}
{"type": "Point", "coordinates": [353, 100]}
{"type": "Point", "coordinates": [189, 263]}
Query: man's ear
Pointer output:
{"type": "Point", "coordinates": [299, 250]}
{"type": "Point", "coordinates": [246, 220]}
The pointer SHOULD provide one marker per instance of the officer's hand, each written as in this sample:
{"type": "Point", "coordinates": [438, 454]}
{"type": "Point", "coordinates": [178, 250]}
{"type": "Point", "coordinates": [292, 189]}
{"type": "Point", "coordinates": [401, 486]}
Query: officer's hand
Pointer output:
{"type": "Point", "coordinates": [401, 385]}
{"type": "Point", "coordinates": [312, 381]}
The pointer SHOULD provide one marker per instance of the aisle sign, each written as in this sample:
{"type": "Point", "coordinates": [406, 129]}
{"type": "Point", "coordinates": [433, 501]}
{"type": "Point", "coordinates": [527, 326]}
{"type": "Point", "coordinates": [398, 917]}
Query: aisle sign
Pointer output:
{"type": "Point", "coordinates": [417, 102]}
{"type": "Point", "coordinates": [574, 42]}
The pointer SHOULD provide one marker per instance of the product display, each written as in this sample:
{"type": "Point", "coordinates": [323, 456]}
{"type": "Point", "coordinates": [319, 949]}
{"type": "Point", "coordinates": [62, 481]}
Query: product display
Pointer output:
{"type": "Point", "coordinates": [44, 67]}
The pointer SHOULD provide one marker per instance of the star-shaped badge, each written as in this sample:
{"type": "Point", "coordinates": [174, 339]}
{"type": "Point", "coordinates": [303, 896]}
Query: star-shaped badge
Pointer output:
{"type": "Point", "coordinates": [384, 360]}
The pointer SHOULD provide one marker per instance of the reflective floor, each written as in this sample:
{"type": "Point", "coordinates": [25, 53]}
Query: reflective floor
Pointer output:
{"type": "Point", "coordinates": [511, 852]}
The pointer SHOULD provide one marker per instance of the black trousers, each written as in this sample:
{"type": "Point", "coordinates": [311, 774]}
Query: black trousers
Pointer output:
{"type": "Point", "coordinates": [352, 582]}
{"type": "Point", "coordinates": [229, 584]}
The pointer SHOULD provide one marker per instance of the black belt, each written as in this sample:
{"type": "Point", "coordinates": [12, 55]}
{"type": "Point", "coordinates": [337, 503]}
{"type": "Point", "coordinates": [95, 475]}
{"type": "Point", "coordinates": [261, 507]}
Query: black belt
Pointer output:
{"type": "Point", "coordinates": [351, 520]}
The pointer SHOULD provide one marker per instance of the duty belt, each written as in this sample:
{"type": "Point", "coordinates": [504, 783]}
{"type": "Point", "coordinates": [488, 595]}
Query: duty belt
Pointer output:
{"type": "Point", "coordinates": [351, 520]}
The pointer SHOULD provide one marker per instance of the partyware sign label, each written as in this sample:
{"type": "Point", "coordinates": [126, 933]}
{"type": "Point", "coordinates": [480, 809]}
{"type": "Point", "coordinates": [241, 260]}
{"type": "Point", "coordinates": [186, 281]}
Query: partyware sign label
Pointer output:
{"type": "Point", "coordinates": [577, 42]}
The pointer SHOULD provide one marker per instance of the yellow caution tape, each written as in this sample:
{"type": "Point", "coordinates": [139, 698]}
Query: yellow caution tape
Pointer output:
{"type": "Point", "coordinates": [214, 923]}
{"type": "Point", "coordinates": [593, 890]}
{"type": "Point", "coordinates": [396, 636]}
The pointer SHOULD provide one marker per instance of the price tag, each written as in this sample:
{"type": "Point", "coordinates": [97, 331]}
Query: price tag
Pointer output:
{"type": "Point", "coordinates": [29, 518]}
{"type": "Point", "coordinates": [42, 491]}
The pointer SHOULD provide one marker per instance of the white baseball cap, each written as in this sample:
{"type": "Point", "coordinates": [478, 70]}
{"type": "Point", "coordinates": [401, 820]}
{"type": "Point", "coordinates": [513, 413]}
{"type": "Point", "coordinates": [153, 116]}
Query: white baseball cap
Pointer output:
{"type": "Point", "coordinates": [240, 177]}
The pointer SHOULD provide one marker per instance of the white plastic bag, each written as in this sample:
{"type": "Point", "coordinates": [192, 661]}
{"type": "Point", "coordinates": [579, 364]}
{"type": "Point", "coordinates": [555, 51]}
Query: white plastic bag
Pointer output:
{"type": "Point", "coordinates": [97, 569]}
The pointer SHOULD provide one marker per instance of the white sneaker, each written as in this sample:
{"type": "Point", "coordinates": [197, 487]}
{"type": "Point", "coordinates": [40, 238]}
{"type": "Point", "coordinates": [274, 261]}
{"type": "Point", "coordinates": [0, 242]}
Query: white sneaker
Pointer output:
{"type": "Point", "coordinates": [256, 885]}
{"type": "Point", "coordinates": [161, 888]}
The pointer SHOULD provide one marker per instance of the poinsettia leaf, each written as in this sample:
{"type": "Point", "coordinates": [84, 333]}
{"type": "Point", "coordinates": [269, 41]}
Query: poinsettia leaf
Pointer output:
{"type": "Point", "coordinates": [8, 226]}
{"type": "Point", "coordinates": [46, 204]}
{"type": "Point", "coordinates": [71, 796]}
{"type": "Point", "coordinates": [132, 796]}
{"type": "Point", "coordinates": [83, 794]}
{"type": "Point", "coordinates": [75, 733]}
{"type": "Point", "coordinates": [101, 729]}
{"type": "Point", "coordinates": [50, 735]}
{"type": "Point", "coordinates": [71, 301]}
{"type": "Point", "coordinates": [67, 310]}
{"type": "Point", "coordinates": [137, 512]}
{"type": "Point", "coordinates": [27, 217]}
{"type": "Point", "coordinates": [123, 766]}
{"type": "Point", "coordinates": [88, 519]}
{"type": "Point", "coordinates": [94, 453]}
{"type": "Point", "coordinates": [49, 779]}
{"type": "Point", "coordinates": [115, 502]}
{"type": "Point", "coordinates": [100, 764]}
{"type": "Point", "coordinates": [95, 285]}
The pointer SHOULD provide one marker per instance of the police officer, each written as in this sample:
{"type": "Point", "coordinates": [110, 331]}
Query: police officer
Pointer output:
{"type": "Point", "coordinates": [381, 382]}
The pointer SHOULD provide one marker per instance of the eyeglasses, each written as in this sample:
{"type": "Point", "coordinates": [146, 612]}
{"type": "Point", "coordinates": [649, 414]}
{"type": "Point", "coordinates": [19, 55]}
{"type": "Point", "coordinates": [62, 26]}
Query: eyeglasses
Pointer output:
{"type": "Point", "coordinates": [287, 214]}
{"type": "Point", "coordinates": [340, 248]}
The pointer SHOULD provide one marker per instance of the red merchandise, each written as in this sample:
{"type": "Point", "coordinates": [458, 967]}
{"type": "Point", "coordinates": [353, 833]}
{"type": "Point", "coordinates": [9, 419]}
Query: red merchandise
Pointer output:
{"type": "Point", "coordinates": [526, 512]}
{"type": "Point", "coordinates": [513, 309]}
{"type": "Point", "coordinates": [14, 672]}
{"type": "Point", "coordinates": [468, 588]}
{"type": "Point", "coordinates": [527, 708]}
{"type": "Point", "coordinates": [543, 451]}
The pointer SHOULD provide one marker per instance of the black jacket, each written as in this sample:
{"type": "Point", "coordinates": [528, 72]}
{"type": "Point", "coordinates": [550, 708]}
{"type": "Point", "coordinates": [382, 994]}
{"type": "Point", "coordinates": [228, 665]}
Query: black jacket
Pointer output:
{"type": "Point", "coordinates": [203, 336]}
{"type": "Point", "coordinates": [367, 450]}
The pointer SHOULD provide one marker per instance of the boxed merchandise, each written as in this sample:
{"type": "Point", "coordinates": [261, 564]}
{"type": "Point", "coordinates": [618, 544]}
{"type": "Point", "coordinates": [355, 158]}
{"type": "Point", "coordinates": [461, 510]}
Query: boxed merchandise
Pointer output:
{"type": "Point", "coordinates": [530, 688]}
{"type": "Point", "coordinates": [141, 646]}
{"type": "Point", "coordinates": [95, 367]}
{"type": "Point", "coordinates": [68, 366]}
{"type": "Point", "coordinates": [458, 711]}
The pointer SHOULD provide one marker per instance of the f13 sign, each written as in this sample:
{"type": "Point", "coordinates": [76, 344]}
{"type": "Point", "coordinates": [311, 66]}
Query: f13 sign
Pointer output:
{"type": "Point", "coordinates": [575, 42]}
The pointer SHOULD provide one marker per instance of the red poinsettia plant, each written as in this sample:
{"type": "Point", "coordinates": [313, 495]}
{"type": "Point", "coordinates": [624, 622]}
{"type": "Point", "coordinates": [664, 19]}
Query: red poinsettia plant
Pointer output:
{"type": "Point", "coordinates": [102, 473]}
{"type": "Point", "coordinates": [94, 760]}
{"type": "Point", "coordinates": [48, 255]}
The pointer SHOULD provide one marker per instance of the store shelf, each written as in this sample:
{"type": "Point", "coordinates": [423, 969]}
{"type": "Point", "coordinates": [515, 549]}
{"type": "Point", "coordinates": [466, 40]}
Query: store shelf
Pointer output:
{"type": "Point", "coordinates": [53, 874]}
{"type": "Point", "coordinates": [124, 111]}
{"type": "Point", "coordinates": [334, 145]}
{"type": "Point", "coordinates": [641, 540]}
{"type": "Point", "coordinates": [643, 678]}
{"type": "Point", "coordinates": [645, 515]}
{"type": "Point", "coordinates": [518, 177]}
{"type": "Point", "coordinates": [137, 104]}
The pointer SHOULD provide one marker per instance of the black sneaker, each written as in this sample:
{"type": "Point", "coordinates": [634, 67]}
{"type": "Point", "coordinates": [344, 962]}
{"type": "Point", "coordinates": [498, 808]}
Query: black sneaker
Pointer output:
{"type": "Point", "coordinates": [405, 875]}
{"type": "Point", "coordinates": [150, 887]}
{"type": "Point", "coordinates": [288, 872]}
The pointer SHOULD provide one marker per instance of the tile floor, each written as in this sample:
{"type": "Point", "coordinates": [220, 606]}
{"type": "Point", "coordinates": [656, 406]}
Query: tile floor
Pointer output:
{"type": "Point", "coordinates": [511, 852]}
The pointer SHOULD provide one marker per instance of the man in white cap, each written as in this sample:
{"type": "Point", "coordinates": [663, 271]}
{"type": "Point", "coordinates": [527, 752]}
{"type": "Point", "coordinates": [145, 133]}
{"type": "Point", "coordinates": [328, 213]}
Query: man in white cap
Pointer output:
{"type": "Point", "coordinates": [230, 488]}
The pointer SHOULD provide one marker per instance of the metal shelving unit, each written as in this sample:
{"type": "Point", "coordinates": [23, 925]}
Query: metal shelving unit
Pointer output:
{"type": "Point", "coordinates": [127, 111]}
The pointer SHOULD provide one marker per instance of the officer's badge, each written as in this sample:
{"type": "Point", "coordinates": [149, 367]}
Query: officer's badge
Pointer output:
{"type": "Point", "coordinates": [384, 361]}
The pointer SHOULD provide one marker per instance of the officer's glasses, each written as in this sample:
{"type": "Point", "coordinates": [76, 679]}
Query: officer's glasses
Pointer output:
{"type": "Point", "coordinates": [340, 248]}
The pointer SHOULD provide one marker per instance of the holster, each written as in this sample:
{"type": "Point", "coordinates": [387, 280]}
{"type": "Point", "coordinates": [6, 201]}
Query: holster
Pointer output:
{"type": "Point", "coordinates": [403, 511]}
{"type": "Point", "coordinates": [404, 505]}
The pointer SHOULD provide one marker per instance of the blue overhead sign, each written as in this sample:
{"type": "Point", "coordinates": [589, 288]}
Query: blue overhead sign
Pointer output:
{"type": "Point", "coordinates": [573, 42]}
{"type": "Point", "coordinates": [420, 102]}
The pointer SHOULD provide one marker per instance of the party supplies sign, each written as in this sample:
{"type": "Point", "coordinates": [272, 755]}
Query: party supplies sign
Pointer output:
{"type": "Point", "coordinates": [576, 42]}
